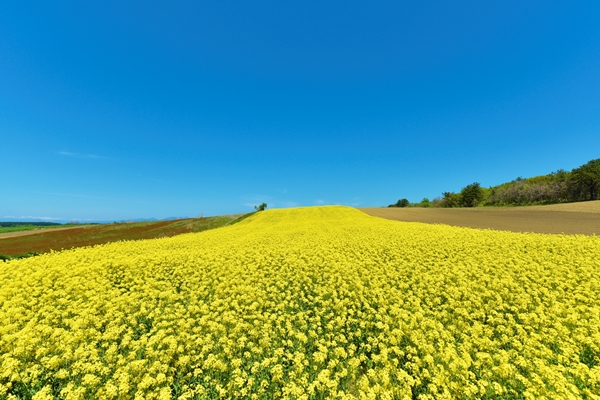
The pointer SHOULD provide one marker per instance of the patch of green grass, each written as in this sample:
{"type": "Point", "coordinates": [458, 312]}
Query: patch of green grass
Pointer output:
{"type": "Point", "coordinates": [20, 228]}
{"type": "Point", "coordinates": [5, 229]}
{"type": "Point", "coordinates": [243, 217]}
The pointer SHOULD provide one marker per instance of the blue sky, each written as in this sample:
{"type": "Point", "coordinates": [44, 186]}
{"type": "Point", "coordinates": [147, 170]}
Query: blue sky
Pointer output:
{"type": "Point", "coordinates": [123, 110]}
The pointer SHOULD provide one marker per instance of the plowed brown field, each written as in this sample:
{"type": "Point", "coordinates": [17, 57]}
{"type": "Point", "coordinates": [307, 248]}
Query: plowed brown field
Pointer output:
{"type": "Point", "coordinates": [574, 218]}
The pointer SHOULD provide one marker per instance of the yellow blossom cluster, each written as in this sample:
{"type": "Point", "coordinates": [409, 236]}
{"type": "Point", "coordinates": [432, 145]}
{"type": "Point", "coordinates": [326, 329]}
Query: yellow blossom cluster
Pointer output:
{"type": "Point", "coordinates": [307, 303]}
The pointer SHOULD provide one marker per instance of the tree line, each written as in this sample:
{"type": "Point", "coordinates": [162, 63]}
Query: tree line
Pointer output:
{"type": "Point", "coordinates": [12, 224]}
{"type": "Point", "coordinates": [580, 184]}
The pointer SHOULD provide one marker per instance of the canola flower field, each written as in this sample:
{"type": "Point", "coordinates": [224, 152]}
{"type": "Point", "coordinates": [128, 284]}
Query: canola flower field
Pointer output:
{"type": "Point", "coordinates": [307, 303]}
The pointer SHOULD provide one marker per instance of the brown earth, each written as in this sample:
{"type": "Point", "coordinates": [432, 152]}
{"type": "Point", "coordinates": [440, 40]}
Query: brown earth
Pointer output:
{"type": "Point", "coordinates": [583, 206]}
{"type": "Point", "coordinates": [574, 218]}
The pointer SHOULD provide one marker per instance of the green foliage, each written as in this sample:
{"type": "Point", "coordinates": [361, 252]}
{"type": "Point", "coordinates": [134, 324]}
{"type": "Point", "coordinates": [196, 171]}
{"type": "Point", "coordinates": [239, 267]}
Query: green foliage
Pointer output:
{"type": "Point", "coordinates": [401, 203]}
{"type": "Point", "coordinates": [424, 203]}
{"type": "Point", "coordinates": [587, 177]}
{"type": "Point", "coordinates": [471, 195]}
{"type": "Point", "coordinates": [260, 207]}
{"type": "Point", "coordinates": [450, 200]}
{"type": "Point", "coordinates": [556, 187]}
{"type": "Point", "coordinates": [580, 184]}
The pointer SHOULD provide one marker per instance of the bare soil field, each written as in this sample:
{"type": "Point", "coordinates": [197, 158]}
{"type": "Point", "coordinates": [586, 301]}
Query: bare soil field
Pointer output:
{"type": "Point", "coordinates": [584, 206]}
{"type": "Point", "coordinates": [574, 218]}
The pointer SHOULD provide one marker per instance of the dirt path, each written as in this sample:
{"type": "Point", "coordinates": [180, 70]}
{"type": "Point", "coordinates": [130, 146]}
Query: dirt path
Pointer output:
{"type": "Point", "coordinates": [35, 232]}
{"type": "Point", "coordinates": [542, 219]}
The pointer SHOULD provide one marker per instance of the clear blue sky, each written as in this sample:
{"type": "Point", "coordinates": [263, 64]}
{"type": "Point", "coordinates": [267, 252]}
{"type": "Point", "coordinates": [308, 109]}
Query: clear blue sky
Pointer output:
{"type": "Point", "coordinates": [123, 110]}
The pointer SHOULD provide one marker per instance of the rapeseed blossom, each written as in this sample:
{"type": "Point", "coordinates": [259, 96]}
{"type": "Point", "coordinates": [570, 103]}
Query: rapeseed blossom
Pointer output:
{"type": "Point", "coordinates": [307, 303]}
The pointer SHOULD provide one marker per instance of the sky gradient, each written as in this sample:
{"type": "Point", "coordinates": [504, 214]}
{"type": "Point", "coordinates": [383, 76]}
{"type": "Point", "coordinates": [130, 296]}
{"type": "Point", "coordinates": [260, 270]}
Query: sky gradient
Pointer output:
{"type": "Point", "coordinates": [125, 110]}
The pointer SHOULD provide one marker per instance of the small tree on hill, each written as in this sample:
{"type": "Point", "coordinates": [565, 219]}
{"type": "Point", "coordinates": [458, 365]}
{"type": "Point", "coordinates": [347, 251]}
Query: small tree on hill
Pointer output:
{"type": "Point", "coordinates": [261, 207]}
{"type": "Point", "coordinates": [471, 195]}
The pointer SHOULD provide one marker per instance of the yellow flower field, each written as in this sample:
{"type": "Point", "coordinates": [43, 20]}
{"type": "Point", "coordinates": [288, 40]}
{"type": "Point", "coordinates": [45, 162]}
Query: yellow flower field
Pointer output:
{"type": "Point", "coordinates": [307, 303]}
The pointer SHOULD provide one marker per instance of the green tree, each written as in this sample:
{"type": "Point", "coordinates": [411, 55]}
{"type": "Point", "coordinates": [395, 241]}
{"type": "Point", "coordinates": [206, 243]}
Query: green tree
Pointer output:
{"type": "Point", "coordinates": [261, 207]}
{"type": "Point", "coordinates": [588, 177]}
{"type": "Point", "coordinates": [402, 203]}
{"type": "Point", "coordinates": [450, 200]}
{"type": "Point", "coordinates": [471, 195]}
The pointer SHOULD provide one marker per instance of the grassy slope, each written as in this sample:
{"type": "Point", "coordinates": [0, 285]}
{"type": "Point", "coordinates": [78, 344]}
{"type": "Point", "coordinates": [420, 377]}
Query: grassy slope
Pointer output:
{"type": "Point", "coordinates": [99, 234]}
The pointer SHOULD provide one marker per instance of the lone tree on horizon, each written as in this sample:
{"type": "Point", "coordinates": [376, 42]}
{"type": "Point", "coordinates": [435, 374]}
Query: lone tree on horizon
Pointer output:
{"type": "Point", "coordinates": [261, 207]}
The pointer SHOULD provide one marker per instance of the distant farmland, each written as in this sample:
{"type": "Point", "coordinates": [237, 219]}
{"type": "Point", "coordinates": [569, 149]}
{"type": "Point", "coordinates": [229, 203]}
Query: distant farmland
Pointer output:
{"type": "Point", "coordinates": [42, 241]}
{"type": "Point", "coordinates": [7, 227]}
